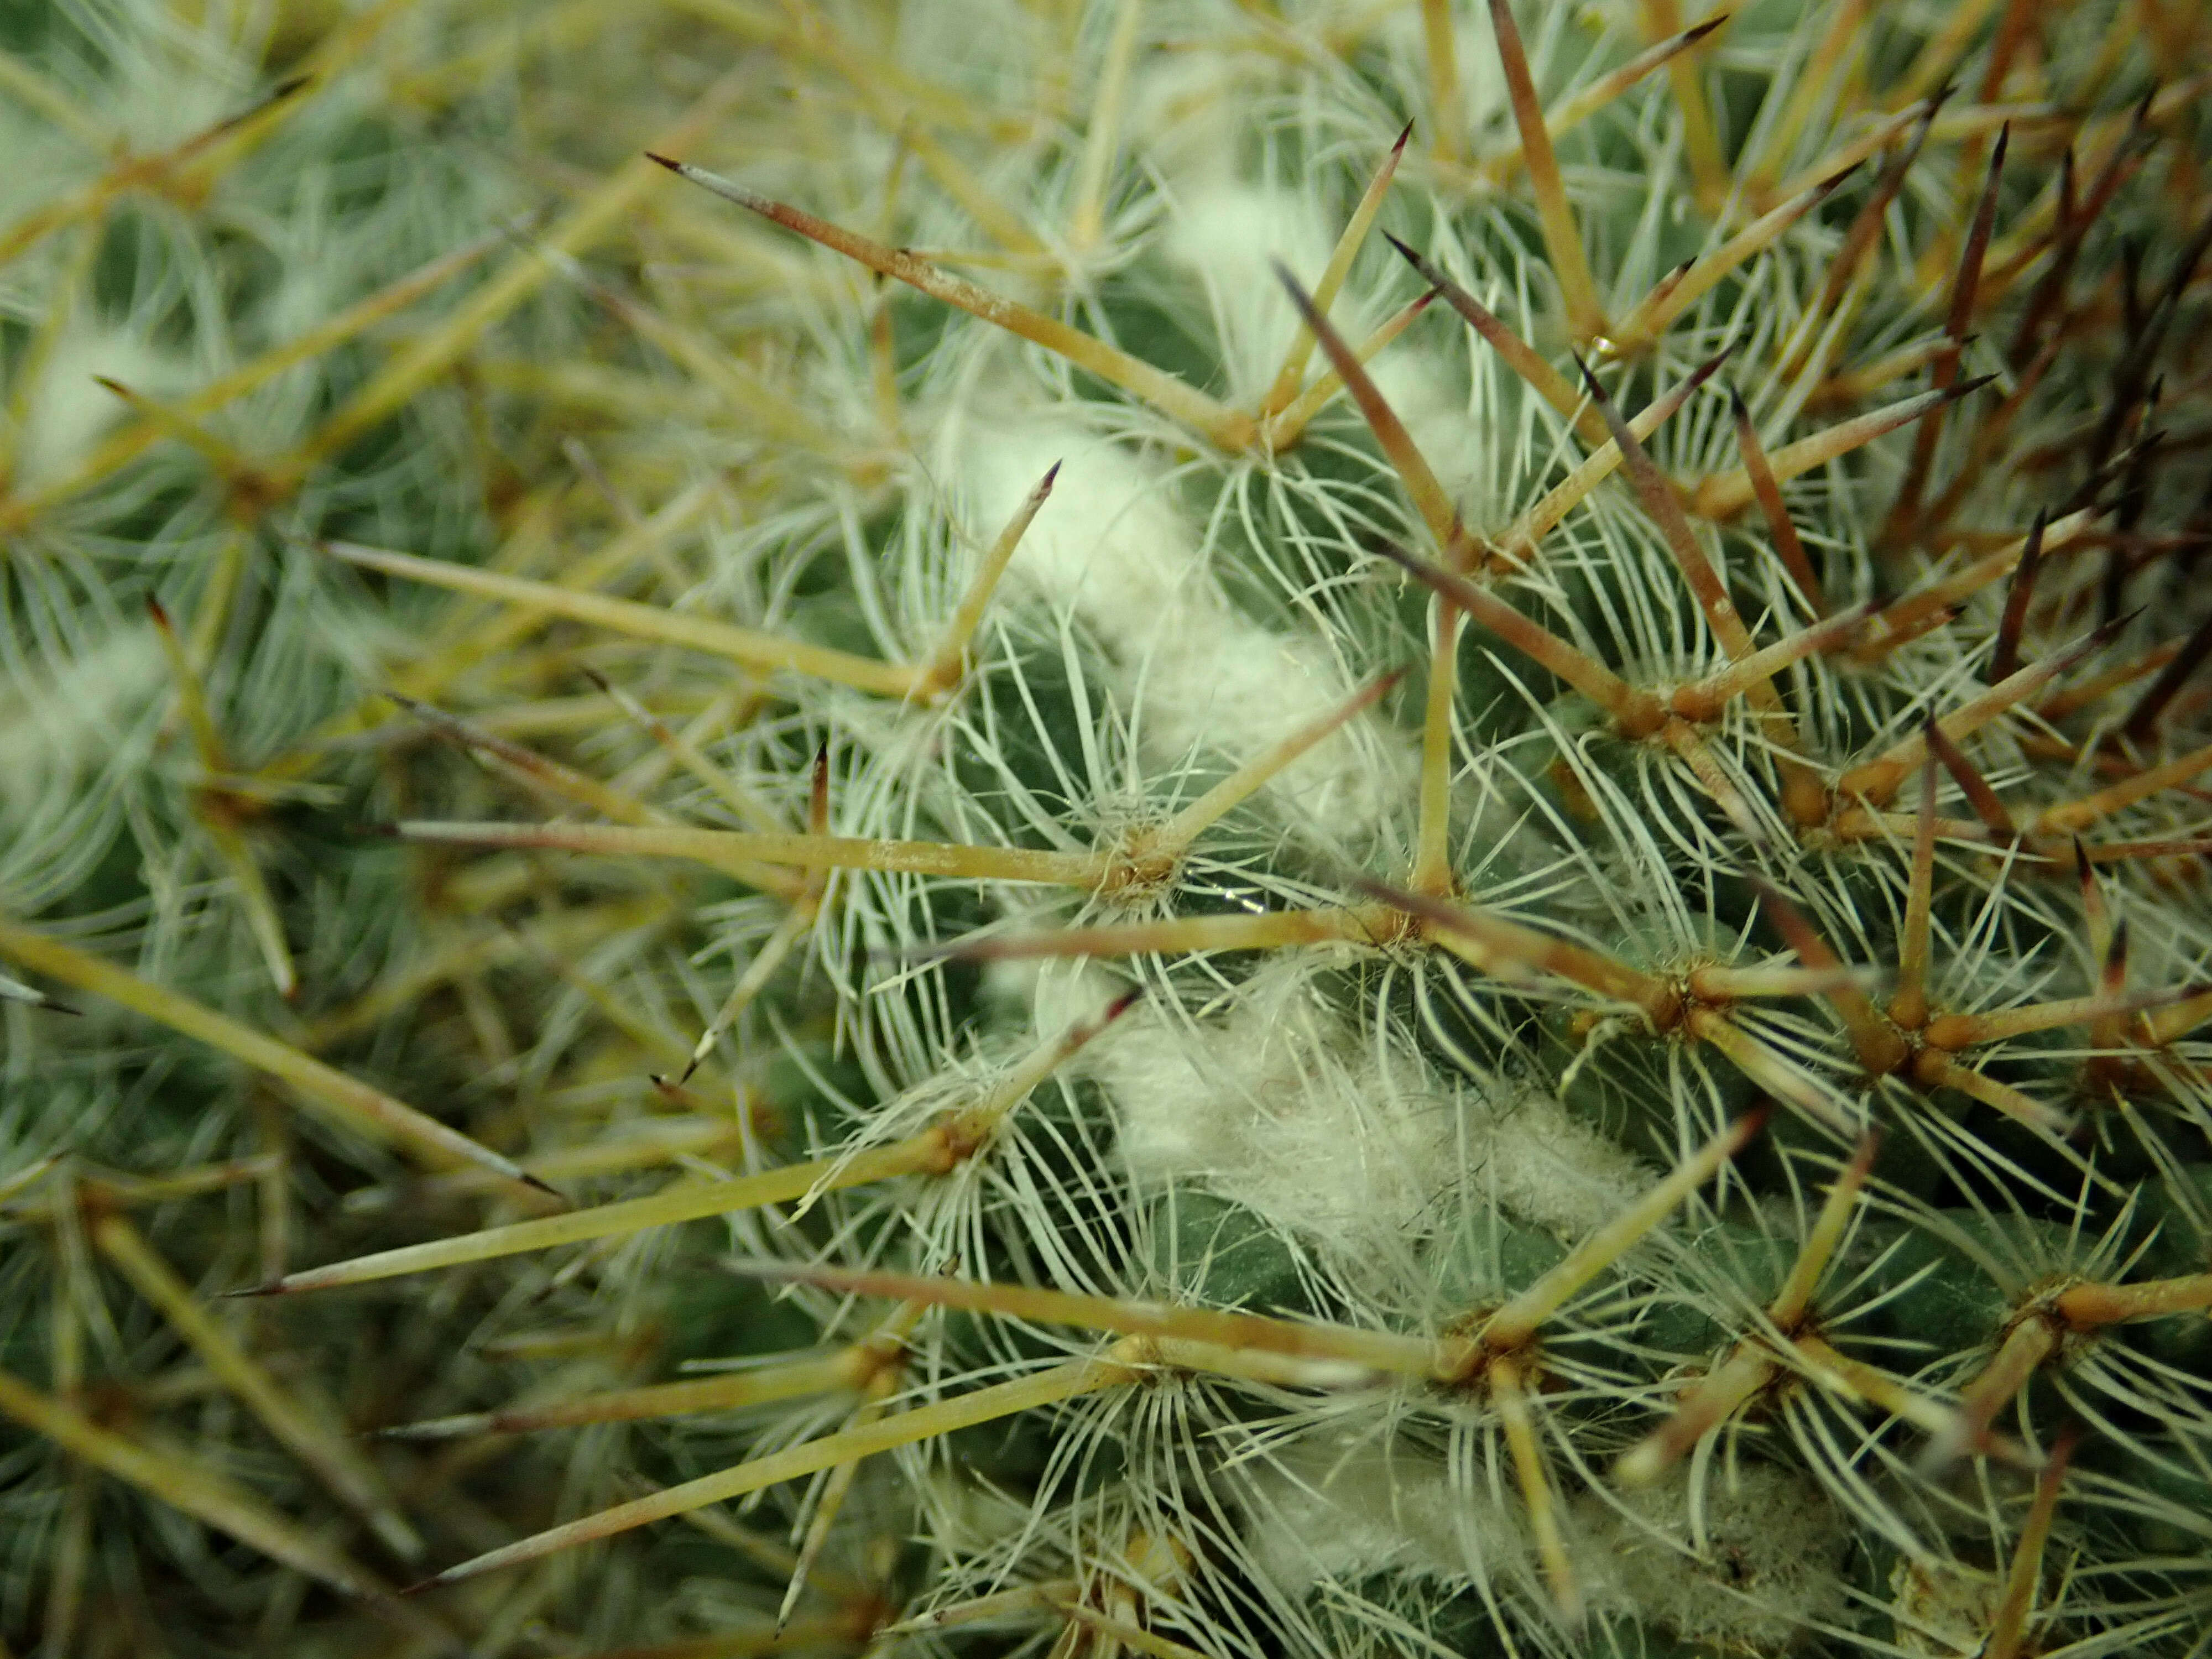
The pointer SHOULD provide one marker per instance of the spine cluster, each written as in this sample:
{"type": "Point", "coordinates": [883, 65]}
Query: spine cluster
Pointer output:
{"type": "Point", "coordinates": [1204, 829]}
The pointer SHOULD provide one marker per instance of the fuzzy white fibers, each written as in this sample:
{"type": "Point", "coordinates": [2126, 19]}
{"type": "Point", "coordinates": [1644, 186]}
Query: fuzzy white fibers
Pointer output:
{"type": "Point", "coordinates": [1452, 438]}
{"type": "Point", "coordinates": [991, 47]}
{"type": "Point", "coordinates": [1053, 995]}
{"type": "Point", "coordinates": [69, 411]}
{"type": "Point", "coordinates": [1345, 1140]}
{"type": "Point", "coordinates": [62, 723]}
{"type": "Point", "coordinates": [1942, 1609]}
{"type": "Point", "coordinates": [1185, 120]}
{"type": "Point", "coordinates": [1323, 1511]}
{"type": "Point", "coordinates": [1768, 1561]}
{"type": "Point", "coordinates": [1112, 546]}
{"type": "Point", "coordinates": [1281, 1107]}
{"type": "Point", "coordinates": [69, 734]}
{"type": "Point", "coordinates": [1540, 1165]}
{"type": "Point", "coordinates": [1768, 1564]}
{"type": "Point", "coordinates": [1226, 236]}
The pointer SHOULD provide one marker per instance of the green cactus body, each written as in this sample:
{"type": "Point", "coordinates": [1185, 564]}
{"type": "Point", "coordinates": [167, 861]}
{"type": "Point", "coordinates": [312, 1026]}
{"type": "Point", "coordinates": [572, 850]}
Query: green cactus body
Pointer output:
{"type": "Point", "coordinates": [1540, 1004]}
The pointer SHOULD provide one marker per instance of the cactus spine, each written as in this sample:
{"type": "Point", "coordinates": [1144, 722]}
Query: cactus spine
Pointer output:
{"type": "Point", "coordinates": [1192, 873]}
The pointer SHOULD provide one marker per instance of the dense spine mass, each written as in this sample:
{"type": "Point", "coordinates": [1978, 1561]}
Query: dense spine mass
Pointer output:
{"type": "Point", "coordinates": [1228, 829]}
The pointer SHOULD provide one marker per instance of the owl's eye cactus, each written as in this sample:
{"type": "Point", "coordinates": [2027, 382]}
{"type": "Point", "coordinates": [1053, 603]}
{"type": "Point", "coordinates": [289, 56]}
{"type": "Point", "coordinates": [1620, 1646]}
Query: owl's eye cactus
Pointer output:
{"type": "Point", "coordinates": [1397, 813]}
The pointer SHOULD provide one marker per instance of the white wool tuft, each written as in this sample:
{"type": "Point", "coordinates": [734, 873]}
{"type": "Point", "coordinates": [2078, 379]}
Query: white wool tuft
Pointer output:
{"type": "Point", "coordinates": [1330, 1510]}
{"type": "Point", "coordinates": [58, 726]}
{"type": "Point", "coordinates": [1436, 416]}
{"type": "Point", "coordinates": [1279, 1109]}
{"type": "Point", "coordinates": [1540, 1165]}
{"type": "Point", "coordinates": [1486, 106]}
{"type": "Point", "coordinates": [1184, 113]}
{"type": "Point", "coordinates": [1228, 236]}
{"type": "Point", "coordinates": [1048, 994]}
{"type": "Point", "coordinates": [1325, 1512]}
{"type": "Point", "coordinates": [1940, 1609]}
{"type": "Point", "coordinates": [1769, 1563]}
{"type": "Point", "coordinates": [1280, 1106]}
{"type": "Point", "coordinates": [69, 411]}
{"type": "Point", "coordinates": [1112, 546]}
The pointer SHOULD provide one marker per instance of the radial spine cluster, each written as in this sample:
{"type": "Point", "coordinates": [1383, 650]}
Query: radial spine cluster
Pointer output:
{"type": "Point", "coordinates": [1166, 826]}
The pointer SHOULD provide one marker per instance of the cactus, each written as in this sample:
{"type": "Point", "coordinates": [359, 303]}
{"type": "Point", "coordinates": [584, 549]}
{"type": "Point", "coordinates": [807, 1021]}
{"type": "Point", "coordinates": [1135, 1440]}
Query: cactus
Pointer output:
{"type": "Point", "coordinates": [1387, 886]}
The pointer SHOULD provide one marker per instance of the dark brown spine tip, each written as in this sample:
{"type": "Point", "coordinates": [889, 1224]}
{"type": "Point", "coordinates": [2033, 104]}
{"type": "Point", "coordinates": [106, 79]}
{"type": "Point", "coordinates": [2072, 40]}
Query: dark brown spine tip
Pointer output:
{"type": "Point", "coordinates": [158, 613]}
{"type": "Point", "coordinates": [2185, 663]}
{"type": "Point", "coordinates": [2110, 631]}
{"type": "Point", "coordinates": [2006, 658]}
{"type": "Point", "coordinates": [1698, 32]}
{"type": "Point", "coordinates": [1439, 282]}
{"type": "Point", "coordinates": [1711, 366]}
{"type": "Point", "coordinates": [1399, 557]}
{"type": "Point", "coordinates": [1964, 387]}
{"type": "Point", "coordinates": [1121, 1005]}
{"type": "Point", "coordinates": [267, 1288]}
{"type": "Point", "coordinates": [1834, 181]}
{"type": "Point", "coordinates": [1736, 404]}
{"type": "Point", "coordinates": [530, 1180]}
{"type": "Point", "coordinates": [284, 90]}
{"type": "Point", "coordinates": [1051, 474]}
{"type": "Point", "coordinates": [1405, 133]}
{"type": "Point", "coordinates": [673, 166]}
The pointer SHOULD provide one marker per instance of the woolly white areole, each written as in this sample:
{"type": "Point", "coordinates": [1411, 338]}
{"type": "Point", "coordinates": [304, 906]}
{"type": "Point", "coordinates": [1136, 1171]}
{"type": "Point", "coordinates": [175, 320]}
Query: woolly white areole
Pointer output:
{"type": "Point", "coordinates": [1113, 546]}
